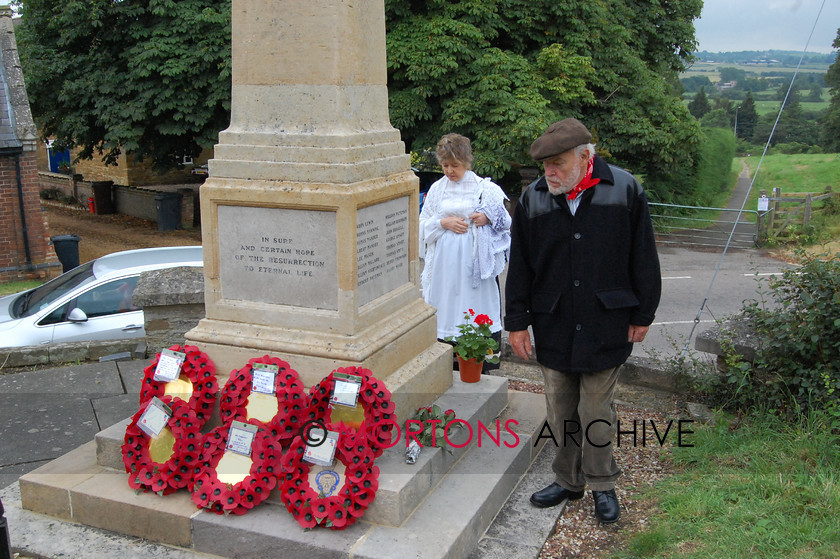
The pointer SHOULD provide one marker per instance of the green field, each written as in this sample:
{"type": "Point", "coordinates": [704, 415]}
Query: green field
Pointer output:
{"type": "Point", "coordinates": [712, 69]}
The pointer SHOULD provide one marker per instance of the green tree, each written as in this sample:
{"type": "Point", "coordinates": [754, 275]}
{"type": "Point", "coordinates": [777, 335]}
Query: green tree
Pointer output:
{"type": "Point", "coordinates": [815, 94]}
{"type": "Point", "coordinates": [831, 121]}
{"type": "Point", "coordinates": [693, 84]}
{"type": "Point", "coordinates": [151, 78]}
{"type": "Point", "coordinates": [747, 118]}
{"type": "Point", "coordinates": [699, 106]}
{"type": "Point", "coordinates": [732, 74]}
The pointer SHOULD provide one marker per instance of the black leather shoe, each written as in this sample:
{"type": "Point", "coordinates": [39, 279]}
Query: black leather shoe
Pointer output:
{"type": "Point", "coordinates": [606, 506]}
{"type": "Point", "coordinates": [553, 495]}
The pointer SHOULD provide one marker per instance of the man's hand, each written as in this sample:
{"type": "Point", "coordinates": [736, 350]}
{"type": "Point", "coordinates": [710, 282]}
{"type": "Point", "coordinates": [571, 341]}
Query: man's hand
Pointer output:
{"type": "Point", "coordinates": [637, 333]}
{"type": "Point", "coordinates": [454, 224]}
{"type": "Point", "coordinates": [520, 342]}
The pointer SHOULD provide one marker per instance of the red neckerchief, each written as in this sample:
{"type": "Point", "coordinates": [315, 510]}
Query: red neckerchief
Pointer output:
{"type": "Point", "coordinates": [587, 182]}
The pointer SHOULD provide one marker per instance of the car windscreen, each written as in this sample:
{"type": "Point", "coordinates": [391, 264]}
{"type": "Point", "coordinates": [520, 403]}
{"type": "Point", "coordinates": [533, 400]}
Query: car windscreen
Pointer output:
{"type": "Point", "coordinates": [33, 301]}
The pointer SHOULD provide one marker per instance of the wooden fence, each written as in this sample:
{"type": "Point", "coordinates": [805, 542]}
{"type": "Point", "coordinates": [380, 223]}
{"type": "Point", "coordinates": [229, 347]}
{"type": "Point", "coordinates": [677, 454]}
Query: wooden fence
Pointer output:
{"type": "Point", "coordinates": [784, 212]}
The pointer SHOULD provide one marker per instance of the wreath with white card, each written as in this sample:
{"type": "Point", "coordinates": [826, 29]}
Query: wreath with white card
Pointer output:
{"type": "Point", "coordinates": [226, 481]}
{"type": "Point", "coordinates": [333, 496]}
{"type": "Point", "coordinates": [186, 373]}
{"type": "Point", "coordinates": [373, 414]}
{"type": "Point", "coordinates": [267, 390]}
{"type": "Point", "coordinates": [160, 451]}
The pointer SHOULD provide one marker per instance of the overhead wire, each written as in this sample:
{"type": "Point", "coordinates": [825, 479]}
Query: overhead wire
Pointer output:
{"type": "Point", "coordinates": [752, 182]}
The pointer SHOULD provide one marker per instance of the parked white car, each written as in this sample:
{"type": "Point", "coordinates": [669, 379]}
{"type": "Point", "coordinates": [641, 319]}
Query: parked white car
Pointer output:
{"type": "Point", "coordinates": [90, 302]}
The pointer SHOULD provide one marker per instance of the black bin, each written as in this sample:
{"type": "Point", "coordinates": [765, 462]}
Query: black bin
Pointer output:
{"type": "Point", "coordinates": [168, 205]}
{"type": "Point", "coordinates": [67, 250]}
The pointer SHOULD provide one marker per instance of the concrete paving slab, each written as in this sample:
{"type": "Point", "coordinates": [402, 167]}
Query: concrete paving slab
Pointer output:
{"type": "Point", "coordinates": [91, 379]}
{"type": "Point", "coordinates": [131, 373]}
{"type": "Point", "coordinates": [43, 426]}
{"type": "Point", "coordinates": [520, 529]}
{"type": "Point", "coordinates": [42, 536]}
{"type": "Point", "coordinates": [11, 473]}
{"type": "Point", "coordinates": [113, 409]}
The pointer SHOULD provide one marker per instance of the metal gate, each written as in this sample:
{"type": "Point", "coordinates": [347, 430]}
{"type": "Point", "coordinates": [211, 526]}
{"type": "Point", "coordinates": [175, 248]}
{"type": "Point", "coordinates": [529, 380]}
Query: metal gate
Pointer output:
{"type": "Point", "coordinates": [698, 226]}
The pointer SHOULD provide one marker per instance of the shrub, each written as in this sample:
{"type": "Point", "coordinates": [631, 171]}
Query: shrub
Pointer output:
{"type": "Point", "coordinates": [797, 366]}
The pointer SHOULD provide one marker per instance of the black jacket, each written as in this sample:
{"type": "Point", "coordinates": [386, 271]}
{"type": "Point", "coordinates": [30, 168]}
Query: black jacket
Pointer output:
{"type": "Point", "coordinates": [581, 280]}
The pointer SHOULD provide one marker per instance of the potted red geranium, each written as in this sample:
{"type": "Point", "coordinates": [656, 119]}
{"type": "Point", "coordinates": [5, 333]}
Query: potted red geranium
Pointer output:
{"type": "Point", "coordinates": [474, 345]}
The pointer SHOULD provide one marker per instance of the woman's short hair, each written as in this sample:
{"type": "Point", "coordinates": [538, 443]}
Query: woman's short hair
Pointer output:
{"type": "Point", "coordinates": [455, 147]}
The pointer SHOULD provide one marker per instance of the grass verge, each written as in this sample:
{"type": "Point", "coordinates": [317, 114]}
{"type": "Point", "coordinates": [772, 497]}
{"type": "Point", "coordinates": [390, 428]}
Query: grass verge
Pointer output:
{"type": "Point", "coordinates": [756, 487]}
{"type": "Point", "coordinates": [18, 286]}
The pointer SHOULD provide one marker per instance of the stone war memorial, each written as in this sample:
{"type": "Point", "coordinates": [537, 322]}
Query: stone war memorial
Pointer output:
{"type": "Point", "coordinates": [313, 320]}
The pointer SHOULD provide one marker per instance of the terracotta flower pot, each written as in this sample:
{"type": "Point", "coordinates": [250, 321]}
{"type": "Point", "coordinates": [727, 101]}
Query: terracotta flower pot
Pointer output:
{"type": "Point", "coordinates": [470, 369]}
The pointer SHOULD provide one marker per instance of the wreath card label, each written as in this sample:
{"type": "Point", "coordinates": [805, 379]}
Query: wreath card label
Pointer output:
{"type": "Point", "coordinates": [241, 437]}
{"type": "Point", "coordinates": [346, 389]}
{"type": "Point", "coordinates": [154, 417]}
{"type": "Point", "coordinates": [263, 378]}
{"type": "Point", "coordinates": [321, 451]}
{"type": "Point", "coordinates": [169, 365]}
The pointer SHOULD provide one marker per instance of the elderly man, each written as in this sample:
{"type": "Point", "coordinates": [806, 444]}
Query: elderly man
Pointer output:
{"type": "Point", "coordinates": [584, 275]}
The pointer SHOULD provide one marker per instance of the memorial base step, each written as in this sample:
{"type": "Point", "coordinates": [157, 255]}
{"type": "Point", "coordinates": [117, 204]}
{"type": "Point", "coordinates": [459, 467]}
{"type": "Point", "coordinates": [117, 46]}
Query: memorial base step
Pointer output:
{"type": "Point", "coordinates": [438, 507]}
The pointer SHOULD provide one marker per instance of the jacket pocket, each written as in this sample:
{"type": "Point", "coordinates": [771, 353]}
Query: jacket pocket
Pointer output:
{"type": "Point", "coordinates": [620, 298]}
{"type": "Point", "coordinates": [545, 302]}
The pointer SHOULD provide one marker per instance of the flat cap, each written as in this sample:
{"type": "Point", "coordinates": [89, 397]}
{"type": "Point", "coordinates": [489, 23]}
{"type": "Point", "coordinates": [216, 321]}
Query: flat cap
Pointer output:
{"type": "Point", "coordinates": [561, 136]}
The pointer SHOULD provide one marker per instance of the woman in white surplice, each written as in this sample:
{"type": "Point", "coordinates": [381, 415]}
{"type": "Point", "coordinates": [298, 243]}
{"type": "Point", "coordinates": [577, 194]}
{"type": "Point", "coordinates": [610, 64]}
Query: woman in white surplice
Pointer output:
{"type": "Point", "coordinates": [464, 241]}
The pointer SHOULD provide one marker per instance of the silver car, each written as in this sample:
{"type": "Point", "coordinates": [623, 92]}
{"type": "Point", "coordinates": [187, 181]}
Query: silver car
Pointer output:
{"type": "Point", "coordinates": [90, 302]}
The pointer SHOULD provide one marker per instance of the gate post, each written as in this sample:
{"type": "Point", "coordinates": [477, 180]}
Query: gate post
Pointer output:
{"type": "Point", "coordinates": [808, 203]}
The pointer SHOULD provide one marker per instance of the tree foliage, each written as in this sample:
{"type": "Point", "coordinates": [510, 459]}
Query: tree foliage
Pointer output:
{"type": "Point", "coordinates": [699, 106]}
{"type": "Point", "coordinates": [150, 77]}
{"type": "Point", "coordinates": [831, 122]}
{"type": "Point", "coordinates": [500, 71]}
{"type": "Point", "coordinates": [747, 118]}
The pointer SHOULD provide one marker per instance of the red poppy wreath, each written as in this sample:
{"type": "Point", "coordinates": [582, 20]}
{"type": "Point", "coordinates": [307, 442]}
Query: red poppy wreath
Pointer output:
{"type": "Point", "coordinates": [163, 464]}
{"type": "Point", "coordinates": [378, 417]}
{"type": "Point", "coordinates": [333, 497]}
{"type": "Point", "coordinates": [225, 482]}
{"type": "Point", "coordinates": [280, 412]}
{"type": "Point", "coordinates": [196, 383]}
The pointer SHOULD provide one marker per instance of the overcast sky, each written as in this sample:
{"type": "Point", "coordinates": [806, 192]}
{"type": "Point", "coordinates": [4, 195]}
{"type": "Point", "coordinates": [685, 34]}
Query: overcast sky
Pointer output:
{"type": "Point", "coordinates": [735, 25]}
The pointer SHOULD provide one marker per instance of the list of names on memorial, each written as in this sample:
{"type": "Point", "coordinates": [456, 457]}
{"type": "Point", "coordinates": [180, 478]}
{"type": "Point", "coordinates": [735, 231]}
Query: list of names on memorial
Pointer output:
{"type": "Point", "coordinates": [381, 248]}
{"type": "Point", "coordinates": [278, 256]}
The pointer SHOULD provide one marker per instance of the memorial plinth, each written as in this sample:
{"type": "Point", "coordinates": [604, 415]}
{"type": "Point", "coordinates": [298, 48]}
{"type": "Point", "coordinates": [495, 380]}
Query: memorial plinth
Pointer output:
{"type": "Point", "coordinates": [309, 216]}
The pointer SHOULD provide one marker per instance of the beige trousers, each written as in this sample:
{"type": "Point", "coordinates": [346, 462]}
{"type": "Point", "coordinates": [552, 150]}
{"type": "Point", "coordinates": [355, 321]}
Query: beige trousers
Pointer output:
{"type": "Point", "coordinates": [581, 414]}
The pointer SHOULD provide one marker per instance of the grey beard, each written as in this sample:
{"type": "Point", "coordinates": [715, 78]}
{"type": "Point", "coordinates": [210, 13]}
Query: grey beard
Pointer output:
{"type": "Point", "coordinates": [562, 189]}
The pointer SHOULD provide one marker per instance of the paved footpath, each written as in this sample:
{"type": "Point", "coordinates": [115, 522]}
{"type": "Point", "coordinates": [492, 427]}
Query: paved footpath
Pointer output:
{"type": "Point", "coordinates": [47, 413]}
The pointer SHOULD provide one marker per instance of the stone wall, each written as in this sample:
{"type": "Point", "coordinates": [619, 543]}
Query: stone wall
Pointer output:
{"type": "Point", "coordinates": [173, 303]}
{"type": "Point", "coordinates": [126, 200]}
